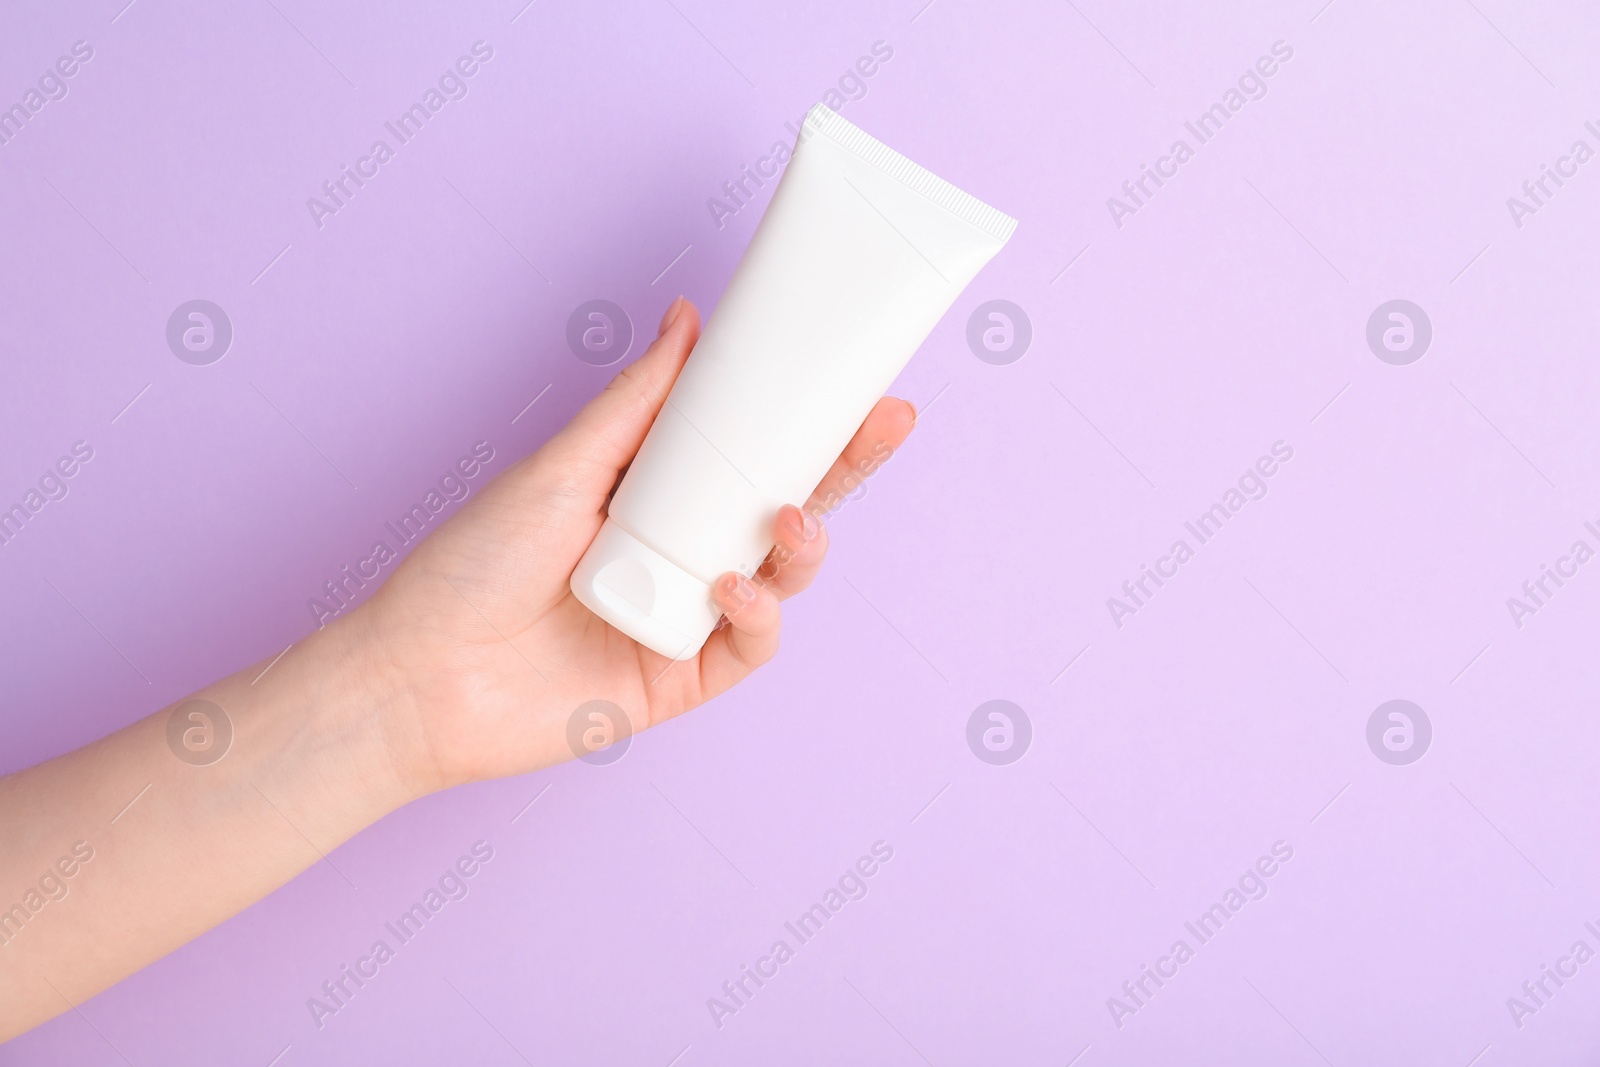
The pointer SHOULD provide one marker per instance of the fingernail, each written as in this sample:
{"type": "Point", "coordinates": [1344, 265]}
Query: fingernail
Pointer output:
{"type": "Point", "coordinates": [802, 523]}
{"type": "Point", "coordinates": [796, 523]}
{"type": "Point", "coordinates": [739, 591]}
{"type": "Point", "coordinates": [670, 317]}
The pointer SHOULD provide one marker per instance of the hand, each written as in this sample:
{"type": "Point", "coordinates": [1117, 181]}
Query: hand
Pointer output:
{"type": "Point", "coordinates": [480, 630]}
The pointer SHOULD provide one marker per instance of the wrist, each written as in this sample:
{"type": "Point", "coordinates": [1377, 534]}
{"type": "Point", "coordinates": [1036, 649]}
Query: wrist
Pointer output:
{"type": "Point", "coordinates": [327, 734]}
{"type": "Point", "coordinates": [381, 708]}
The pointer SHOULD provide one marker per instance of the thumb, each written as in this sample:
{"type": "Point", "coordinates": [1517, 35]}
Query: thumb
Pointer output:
{"type": "Point", "coordinates": [605, 435]}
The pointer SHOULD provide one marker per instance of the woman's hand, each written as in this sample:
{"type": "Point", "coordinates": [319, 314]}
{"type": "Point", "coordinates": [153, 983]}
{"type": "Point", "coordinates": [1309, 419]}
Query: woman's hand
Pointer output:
{"type": "Point", "coordinates": [479, 626]}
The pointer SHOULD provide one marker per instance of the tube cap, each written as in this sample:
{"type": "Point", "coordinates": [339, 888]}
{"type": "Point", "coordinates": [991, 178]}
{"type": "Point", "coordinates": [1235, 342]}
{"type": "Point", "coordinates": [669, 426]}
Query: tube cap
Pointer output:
{"type": "Point", "coordinates": [644, 594]}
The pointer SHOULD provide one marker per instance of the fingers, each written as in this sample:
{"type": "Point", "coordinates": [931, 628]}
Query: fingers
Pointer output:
{"type": "Point", "coordinates": [605, 435]}
{"type": "Point", "coordinates": [801, 540]}
{"type": "Point", "coordinates": [750, 606]}
{"type": "Point", "coordinates": [883, 430]}
{"type": "Point", "coordinates": [801, 543]}
{"type": "Point", "coordinates": [749, 639]}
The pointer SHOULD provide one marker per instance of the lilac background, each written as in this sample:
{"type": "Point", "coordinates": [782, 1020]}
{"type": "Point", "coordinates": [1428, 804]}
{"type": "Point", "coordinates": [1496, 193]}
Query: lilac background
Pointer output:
{"type": "Point", "coordinates": [1230, 713]}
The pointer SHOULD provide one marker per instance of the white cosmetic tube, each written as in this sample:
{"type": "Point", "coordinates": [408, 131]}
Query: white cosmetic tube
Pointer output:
{"type": "Point", "coordinates": [858, 256]}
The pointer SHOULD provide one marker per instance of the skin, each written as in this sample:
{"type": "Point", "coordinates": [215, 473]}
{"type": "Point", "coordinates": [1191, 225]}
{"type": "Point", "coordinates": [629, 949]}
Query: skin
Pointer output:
{"type": "Point", "coordinates": [464, 666]}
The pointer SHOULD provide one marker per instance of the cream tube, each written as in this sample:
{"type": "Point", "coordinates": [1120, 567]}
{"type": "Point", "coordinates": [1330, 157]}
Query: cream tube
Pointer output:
{"type": "Point", "coordinates": [857, 257]}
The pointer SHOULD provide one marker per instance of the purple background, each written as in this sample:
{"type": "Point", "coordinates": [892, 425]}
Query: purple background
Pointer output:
{"type": "Point", "coordinates": [1228, 313]}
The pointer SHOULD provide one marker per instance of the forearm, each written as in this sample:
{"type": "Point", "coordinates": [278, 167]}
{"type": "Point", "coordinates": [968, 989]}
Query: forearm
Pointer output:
{"type": "Point", "coordinates": [118, 853]}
